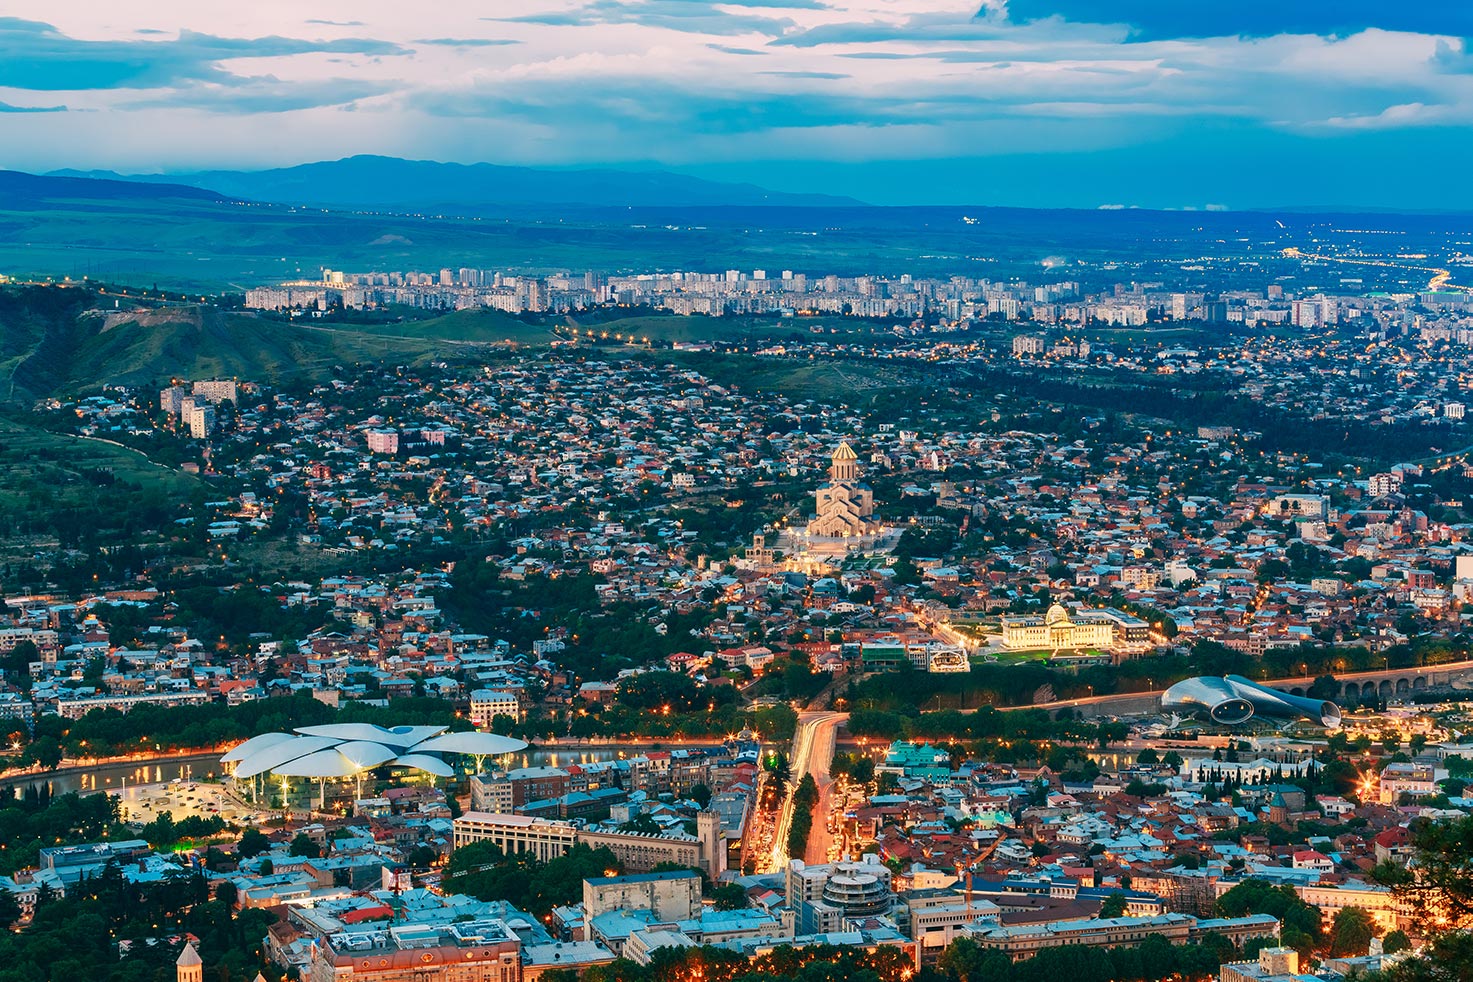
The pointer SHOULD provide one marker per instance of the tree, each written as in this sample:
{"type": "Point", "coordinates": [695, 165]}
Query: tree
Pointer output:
{"type": "Point", "coordinates": [701, 795]}
{"type": "Point", "coordinates": [642, 824]}
{"type": "Point", "coordinates": [1301, 922]}
{"type": "Point", "coordinates": [1148, 757]}
{"type": "Point", "coordinates": [729, 896]}
{"type": "Point", "coordinates": [16, 663]}
{"type": "Point", "coordinates": [1439, 883]}
{"type": "Point", "coordinates": [253, 842]}
{"type": "Point", "coordinates": [777, 765]}
{"type": "Point", "coordinates": [1324, 687]}
{"type": "Point", "coordinates": [304, 846]}
{"type": "Point", "coordinates": [47, 752]}
{"type": "Point", "coordinates": [93, 672]}
{"type": "Point", "coordinates": [161, 831]}
{"type": "Point", "coordinates": [482, 870]}
{"type": "Point", "coordinates": [1352, 932]}
{"type": "Point", "coordinates": [1395, 941]}
{"type": "Point", "coordinates": [1114, 905]}
{"type": "Point", "coordinates": [1449, 958]}
{"type": "Point", "coordinates": [967, 961]}
{"type": "Point", "coordinates": [227, 893]}
{"type": "Point", "coordinates": [10, 911]}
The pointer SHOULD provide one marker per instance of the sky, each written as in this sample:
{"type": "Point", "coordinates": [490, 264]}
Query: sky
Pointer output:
{"type": "Point", "coordinates": [1069, 103]}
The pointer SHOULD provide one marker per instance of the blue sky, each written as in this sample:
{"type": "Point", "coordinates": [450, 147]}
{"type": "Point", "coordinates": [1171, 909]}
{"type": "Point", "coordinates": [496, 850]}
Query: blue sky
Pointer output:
{"type": "Point", "coordinates": [1080, 103]}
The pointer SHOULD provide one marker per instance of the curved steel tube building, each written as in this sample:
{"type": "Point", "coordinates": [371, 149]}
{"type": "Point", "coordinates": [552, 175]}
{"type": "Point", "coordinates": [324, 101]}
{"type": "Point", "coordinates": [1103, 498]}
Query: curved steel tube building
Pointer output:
{"type": "Point", "coordinates": [1232, 700]}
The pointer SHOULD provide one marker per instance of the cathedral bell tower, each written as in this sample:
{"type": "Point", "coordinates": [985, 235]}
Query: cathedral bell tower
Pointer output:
{"type": "Point", "coordinates": [189, 967]}
{"type": "Point", "coordinates": [844, 505]}
{"type": "Point", "coordinates": [844, 465]}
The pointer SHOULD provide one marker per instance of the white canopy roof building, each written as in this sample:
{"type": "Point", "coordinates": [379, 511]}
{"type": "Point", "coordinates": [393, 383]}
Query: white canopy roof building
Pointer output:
{"type": "Point", "coordinates": [339, 751]}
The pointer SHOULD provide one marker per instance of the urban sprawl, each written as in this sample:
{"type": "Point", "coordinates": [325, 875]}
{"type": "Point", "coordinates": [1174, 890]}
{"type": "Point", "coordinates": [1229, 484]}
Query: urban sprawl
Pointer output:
{"type": "Point", "coordinates": [596, 659]}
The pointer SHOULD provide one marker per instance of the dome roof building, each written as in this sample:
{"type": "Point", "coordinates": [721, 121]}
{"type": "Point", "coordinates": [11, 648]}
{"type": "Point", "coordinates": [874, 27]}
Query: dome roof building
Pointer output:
{"type": "Point", "coordinates": [846, 505]}
{"type": "Point", "coordinates": [346, 751]}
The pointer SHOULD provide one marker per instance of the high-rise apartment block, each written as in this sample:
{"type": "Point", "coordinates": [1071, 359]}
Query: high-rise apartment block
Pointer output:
{"type": "Point", "coordinates": [216, 391]}
{"type": "Point", "coordinates": [201, 421]}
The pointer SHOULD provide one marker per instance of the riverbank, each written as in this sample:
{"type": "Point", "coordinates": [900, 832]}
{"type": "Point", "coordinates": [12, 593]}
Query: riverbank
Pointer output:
{"type": "Point", "coordinates": [93, 775]}
{"type": "Point", "coordinates": [111, 774]}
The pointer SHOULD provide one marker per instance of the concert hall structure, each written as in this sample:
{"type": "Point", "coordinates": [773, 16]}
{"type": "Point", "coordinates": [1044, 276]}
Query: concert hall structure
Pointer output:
{"type": "Point", "coordinates": [1233, 700]}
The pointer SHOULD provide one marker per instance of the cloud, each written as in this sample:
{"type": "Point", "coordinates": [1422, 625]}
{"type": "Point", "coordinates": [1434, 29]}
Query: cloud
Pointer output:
{"type": "Point", "coordinates": [6, 107]}
{"type": "Point", "coordinates": [943, 26]}
{"type": "Point", "coordinates": [1163, 19]}
{"type": "Point", "coordinates": [263, 94]}
{"type": "Point", "coordinates": [335, 23]}
{"type": "Point", "coordinates": [1454, 58]}
{"type": "Point", "coordinates": [685, 16]}
{"type": "Point", "coordinates": [693, 81]}
{"type": "Point", "coordinates": [1396, 117]}
{"type": "Point", "coordinates": [799, 74]}
{"type": "Point", "coordinates": [36, 57]}
{"type": "Point", "coordinates": [467, 42]}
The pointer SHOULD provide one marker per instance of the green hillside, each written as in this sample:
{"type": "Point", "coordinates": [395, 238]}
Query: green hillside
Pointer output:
{"type": "Point", "coordinates": [73, 491]}
{"type": "Point", "coordinates": [63, 340]}
{"type": "Point", "coordinates": [685, 328]}
{"type": "Point", "coordinates": [482, 326]}
{"type": "Point", "coordinates": [33, 320]}
{"type": "Point", "coordinates": [204, 343]}
{"type": "Point", "coordinates": [56, 341]}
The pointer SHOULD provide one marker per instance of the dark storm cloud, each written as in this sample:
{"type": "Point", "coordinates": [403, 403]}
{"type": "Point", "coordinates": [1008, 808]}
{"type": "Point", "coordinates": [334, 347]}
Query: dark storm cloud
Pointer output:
{"type": "Point", "coordinates": [6, 107]}
{"type": "Point", "coordinates": [1165, 19]}
{"type": "Point", "coordinates": [37, 57]}
{"type": "Point", "coordinates": [690, 16]}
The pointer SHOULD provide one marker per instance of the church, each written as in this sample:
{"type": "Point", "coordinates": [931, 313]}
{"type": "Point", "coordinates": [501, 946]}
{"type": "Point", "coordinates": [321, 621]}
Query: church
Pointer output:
{"type": "Point", "coordinates": [845, 504]}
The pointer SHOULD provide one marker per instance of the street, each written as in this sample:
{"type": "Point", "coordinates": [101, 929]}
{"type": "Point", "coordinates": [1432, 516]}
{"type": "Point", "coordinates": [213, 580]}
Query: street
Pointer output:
{"type": "Point", "coordinates": [813, 752]}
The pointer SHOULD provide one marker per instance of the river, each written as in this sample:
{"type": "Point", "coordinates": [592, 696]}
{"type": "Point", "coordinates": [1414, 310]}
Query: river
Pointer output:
{"type": "Point", "coordinates": [196, 767]}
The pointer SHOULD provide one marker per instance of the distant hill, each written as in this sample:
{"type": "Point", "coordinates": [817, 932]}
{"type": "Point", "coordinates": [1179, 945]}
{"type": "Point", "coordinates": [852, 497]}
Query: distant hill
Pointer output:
{"type": "Point", "coordinates": [56, 341]}
{"type": "Point", "coordinates": [18, 189]}
{"type": "Point", "coordinates": [389, 183]}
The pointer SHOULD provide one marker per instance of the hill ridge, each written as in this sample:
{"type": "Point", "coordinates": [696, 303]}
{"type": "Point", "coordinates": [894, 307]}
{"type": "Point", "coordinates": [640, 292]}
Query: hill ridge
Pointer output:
{"type": "Point", "coordinates": [377, 181]}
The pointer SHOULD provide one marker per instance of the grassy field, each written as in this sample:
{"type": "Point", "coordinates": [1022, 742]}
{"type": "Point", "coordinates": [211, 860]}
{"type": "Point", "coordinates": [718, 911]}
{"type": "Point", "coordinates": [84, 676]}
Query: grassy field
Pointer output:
{"type": "Point", "coordinates": [58, 488]}
{"type": "Point", "coordinates": [208, 344]}
{"type": "Point", "coordinates": [735, 330]}
{"type": "Point", "coordinates": [57, 352]}
{"type": "Point", "coordinates": [1013, 657]}
{"type": "Point", "coordinates": [462, 327]}
{"type": "Point", "coordinates": [285, 559]}
{"type": "Point", "coordinates": [26, 449]}
{"type": "Point", "coordinates": [486, 326]}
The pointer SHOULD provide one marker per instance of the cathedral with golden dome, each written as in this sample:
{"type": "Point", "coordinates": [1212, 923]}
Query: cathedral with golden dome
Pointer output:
{"type": "Point", "coordinates": [846, 505]}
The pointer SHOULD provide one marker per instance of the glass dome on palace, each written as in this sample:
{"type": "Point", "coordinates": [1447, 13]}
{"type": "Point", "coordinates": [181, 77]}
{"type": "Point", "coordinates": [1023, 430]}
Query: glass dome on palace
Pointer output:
{"type": "Point", "coordinates": [345, 750]}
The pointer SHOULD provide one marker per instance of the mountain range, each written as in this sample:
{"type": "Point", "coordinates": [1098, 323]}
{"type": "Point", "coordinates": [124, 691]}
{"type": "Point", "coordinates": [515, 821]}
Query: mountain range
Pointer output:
{"type": "Point", "coordinates": [391, 184]}
{"type": "Point", "coordinates": [25, 191]}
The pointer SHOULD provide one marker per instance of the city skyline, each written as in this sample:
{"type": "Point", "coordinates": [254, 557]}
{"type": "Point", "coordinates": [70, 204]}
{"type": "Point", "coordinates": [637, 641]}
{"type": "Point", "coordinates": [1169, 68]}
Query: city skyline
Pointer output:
{"type": "Point", "coordinates": [1042, 103]}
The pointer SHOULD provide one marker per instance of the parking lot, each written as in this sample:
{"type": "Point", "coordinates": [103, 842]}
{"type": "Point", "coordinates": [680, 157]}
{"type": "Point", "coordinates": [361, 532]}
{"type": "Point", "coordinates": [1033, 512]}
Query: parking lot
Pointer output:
{"type": "Point", "coordinates": [142, 803]}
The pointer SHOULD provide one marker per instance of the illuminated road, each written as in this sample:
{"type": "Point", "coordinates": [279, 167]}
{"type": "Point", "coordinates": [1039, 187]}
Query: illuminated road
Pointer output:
{"type": "Point", "coordinates": [1439, 280]}
{"type": "Point", "coordinates": [813, 752]}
